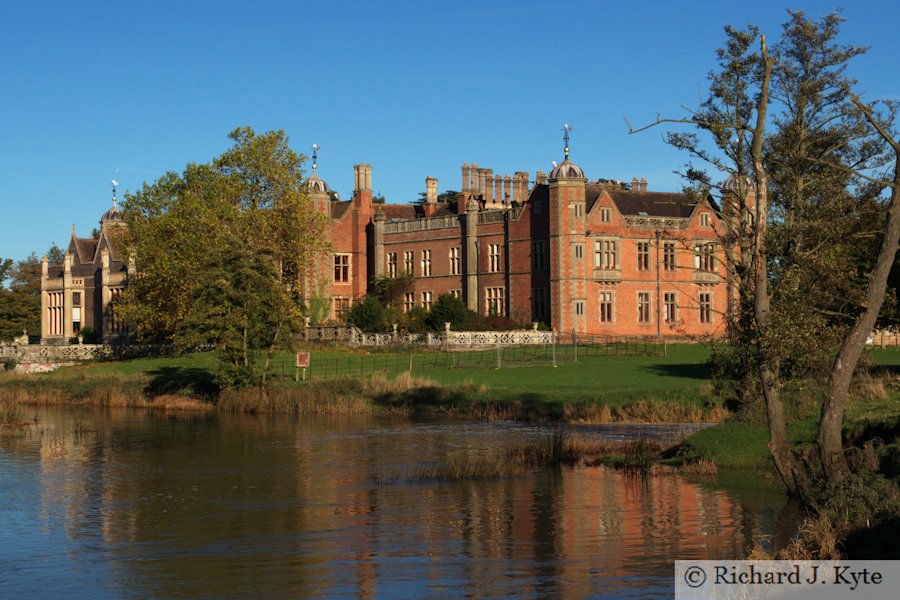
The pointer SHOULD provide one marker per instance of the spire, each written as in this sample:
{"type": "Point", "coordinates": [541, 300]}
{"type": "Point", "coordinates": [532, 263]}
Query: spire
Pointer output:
{"type": "Point", "coordinates": [566, 130]}
{"type": "Point", "coordinates": [315, 158]}
{"type": "Point", "coordinates": [115, 184]}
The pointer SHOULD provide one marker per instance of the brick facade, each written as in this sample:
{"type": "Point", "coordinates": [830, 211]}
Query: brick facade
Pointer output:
{"type": "Point", "coordinates": [595, 257]}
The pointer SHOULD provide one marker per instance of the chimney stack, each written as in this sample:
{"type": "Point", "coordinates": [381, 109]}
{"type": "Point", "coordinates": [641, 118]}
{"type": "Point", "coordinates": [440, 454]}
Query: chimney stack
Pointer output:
{"type": "Point", "coordinates": [635, 184]}
{"type": "Point", "coordinates": [485, 184]}
{"type": "Point", "coordinates": [362, 177]}
{"type": "Point", "coordinates": [431, 192]}
{"type": "Point", "coordinates": [540, 178]}
{"type": "Point", "coordinates": [498, 189]}
{"type": "Point", "coordinates": [465, 178]}
{"type": "Point", "coordinates": [473, 179]}
{"type": "Point", "coordinates": [507, 196]}
{"type": "Point", "coordinates": [643, 184]}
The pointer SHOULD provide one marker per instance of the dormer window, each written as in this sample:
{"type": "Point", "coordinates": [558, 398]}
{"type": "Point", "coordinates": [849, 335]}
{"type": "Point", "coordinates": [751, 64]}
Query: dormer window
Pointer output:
{"type": "Point", "coordinates": [704, 219]}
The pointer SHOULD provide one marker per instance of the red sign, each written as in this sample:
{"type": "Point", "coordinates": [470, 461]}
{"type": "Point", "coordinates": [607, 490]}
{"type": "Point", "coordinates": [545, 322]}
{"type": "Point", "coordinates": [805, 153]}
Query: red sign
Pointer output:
{"type": "Point", "coordinates": [303, 359]}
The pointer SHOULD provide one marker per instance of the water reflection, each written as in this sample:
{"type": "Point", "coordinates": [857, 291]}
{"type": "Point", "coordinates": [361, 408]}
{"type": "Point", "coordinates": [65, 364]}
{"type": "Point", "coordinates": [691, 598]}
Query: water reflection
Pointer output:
{"type": "Point", "coordinates": [125, 503]}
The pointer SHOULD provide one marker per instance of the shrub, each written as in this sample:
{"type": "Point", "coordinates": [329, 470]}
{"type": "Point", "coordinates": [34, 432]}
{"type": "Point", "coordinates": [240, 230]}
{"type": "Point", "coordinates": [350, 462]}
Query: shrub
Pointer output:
{"type": "Point", "coordinates": [368, 315]}
{"type": "Point", "coordinates": [448, 309]}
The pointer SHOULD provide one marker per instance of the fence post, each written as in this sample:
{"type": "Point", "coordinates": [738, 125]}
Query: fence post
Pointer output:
{"type": "Point", "coordinates": [498, 353]}
{"type": "Point", "coordinates": [554, 351]}
{"type": "Point", "coordinates": [575, 343]}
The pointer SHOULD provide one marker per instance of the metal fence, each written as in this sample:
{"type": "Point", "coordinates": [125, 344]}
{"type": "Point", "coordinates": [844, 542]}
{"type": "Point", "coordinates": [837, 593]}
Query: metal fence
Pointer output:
{"type": "Point", "coordinates": [567, 349]}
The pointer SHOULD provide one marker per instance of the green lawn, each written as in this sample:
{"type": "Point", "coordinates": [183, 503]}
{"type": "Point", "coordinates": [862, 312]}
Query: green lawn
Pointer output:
{"type": "Point", "coordinates": [612, 379]}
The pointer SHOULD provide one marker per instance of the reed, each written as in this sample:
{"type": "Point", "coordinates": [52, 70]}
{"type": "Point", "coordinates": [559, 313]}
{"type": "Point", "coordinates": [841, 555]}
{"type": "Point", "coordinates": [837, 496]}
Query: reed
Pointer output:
{"type": "Point", "coordinates": [12, 418]}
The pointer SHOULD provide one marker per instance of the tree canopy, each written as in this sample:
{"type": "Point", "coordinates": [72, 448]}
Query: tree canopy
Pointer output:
{"type": "Point", "coordinates": [220, 252]}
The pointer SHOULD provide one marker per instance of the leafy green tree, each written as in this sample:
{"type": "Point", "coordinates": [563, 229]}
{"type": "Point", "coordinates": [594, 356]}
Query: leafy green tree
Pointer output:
{"type": "Point", "coordinates": [448, 309]}
{"type": "Point", "coordinates": [20, 301]}
{"type": "Point", "coordinates": [810, 223]}
{"type": "Point", "coordinates": [221, 252]}
{"type": "Point", "coordinates": [56, 255]}
{"type": "Point", "coordinates": [368, 315]}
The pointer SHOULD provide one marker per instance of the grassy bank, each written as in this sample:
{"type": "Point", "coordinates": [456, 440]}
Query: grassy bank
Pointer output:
{"type": "Point", "coordinates": [596, 389]}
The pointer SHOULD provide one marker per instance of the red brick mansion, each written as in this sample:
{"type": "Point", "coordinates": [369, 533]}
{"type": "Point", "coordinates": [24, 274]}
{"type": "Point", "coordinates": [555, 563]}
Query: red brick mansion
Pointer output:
{"type": "Point", "coordinates": [599, 257]}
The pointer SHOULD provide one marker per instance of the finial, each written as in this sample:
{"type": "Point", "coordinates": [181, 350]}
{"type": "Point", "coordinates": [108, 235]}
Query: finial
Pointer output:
{"type": "Point", "coordinates": [566, 129]}
{"type": "Point", "coordinates": [115, 184]}
{"type": "Point", "coordinates": [315, 157]}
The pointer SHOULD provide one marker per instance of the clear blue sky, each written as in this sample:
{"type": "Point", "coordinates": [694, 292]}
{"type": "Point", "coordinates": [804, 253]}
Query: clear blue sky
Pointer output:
{"type": "Point", "coordinates": [93, 91]}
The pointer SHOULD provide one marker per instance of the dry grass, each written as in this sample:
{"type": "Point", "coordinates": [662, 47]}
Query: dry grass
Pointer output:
{"type": "Point", "coordinates": [870, 388]}
{"type": "Point", "coordinates": [12, 418]}
{"type": "Point", "coordinates": [642, 411]}
{"type": "Point", "coordinates": [324, 398]}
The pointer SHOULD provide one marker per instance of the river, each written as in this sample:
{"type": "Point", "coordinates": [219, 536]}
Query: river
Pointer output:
{"type": "Point", "coordinates": [121, 504]}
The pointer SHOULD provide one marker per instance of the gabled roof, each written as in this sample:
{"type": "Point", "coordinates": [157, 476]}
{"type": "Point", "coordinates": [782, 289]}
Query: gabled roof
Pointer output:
{"type": "Point", "coordinates": [84, 249]}
{"type": "Point", "coordinates": [339, 209]}
{"type": "Point", "coordinates": [398, 211]}
{"type": "Point", "coordinates": [657, 204]}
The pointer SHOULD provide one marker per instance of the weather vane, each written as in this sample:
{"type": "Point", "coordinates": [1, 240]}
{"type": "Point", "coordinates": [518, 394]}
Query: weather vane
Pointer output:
{"type": "Point", "coordinates": [315, 156]}
{"type": "Point", "coordinates": [115, 184]}
{"type": "Point", "coordinates": [566, 129]}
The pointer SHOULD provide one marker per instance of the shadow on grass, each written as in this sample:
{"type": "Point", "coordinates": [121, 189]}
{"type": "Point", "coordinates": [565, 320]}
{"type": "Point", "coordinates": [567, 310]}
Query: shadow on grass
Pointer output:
{"type": "Point", "coordinates": [690, 371]}
{"type": "Point", "coordinates": [180, 380]}
{"type": "Point", "coordinates": [468, 402]}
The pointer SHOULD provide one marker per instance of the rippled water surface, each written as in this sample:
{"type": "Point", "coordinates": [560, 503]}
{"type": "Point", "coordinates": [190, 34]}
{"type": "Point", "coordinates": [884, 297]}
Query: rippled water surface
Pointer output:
{"type": "Point", "coordinates": [132, 504]}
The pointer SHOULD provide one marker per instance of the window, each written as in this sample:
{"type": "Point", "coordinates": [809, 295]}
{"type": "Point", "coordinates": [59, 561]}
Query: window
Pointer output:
{"type": "Point", "coordinates": [706, 307]}
{"type": "Point", "coordinates": [704, 219]}
{"type": "Point", "coordinates": [669, 256]}
{"type": "Point", "coordinates": [494, 258]}
{"type": "Point", "coordinates": [705, 257]}
{"type": "Point", "coordinates": [538, 304]}
{"type": "Point", "coordinates": [494, 304]}
{"type": "Point", "coordinates": [579, 251]}
{"type": "Point", "coordinates": [454, 261]}
{"type": "Point", "coordinates": [114, 322]}
{"type": "Point", "coordinates": [392, 264]}
{"type": "Point", "coordinates": [579, 308]}
{"type": "Point", "coordinates": [408, 261]}
{"type": "Point", "coordinates": [579, 210]}
{"type": "Point", "coordinates": [426, 263]}
{"type": "Point", "coordinates": [670, 308]}
{"type": "Point", "coordinates": [643, 256]}
{"type": "Point", "coordinates": [605, 215]}
{"type": "Point", "coordinates": [456, 293]}
{"type": "Point", "coordinates": [426, 300]}
{"type": "Point", "coordinates": [606, 306]}
{"type": "Point", "coordinates": [409, 301]}
{"type": "Point", "coordinates": [55, 308]}
{"type": "Point", "coordinates": [341, 268]}
{"type": "Point", "coordinates": [643, 307]}
{"type": "Point", "coordinates": [537, 256]}
{"type": "Point", "coordinates": [606, 253]}
{"type": "Point", "coordinates": [341, 308]}
{"type": "Point", "coordinates": [76, 312]}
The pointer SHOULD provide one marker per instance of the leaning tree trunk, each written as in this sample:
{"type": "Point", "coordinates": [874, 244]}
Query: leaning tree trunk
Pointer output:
{"type": "Point", "coordinates": [831, 449]}
{"type": "Point", "coordinates": [791, 472]}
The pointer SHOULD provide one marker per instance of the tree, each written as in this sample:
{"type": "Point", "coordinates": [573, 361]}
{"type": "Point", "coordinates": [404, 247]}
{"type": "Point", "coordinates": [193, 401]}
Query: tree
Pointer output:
{"type": "Point", "coordinates": [221, 252]}
{"type": "Point", "coordinates": [20, 302]}
{"type": "Point", "coordinates": [448, 309]}
{"type": "Point", "coordinates": [809, 217]}
{"type": "Point", "coordinates": [55, 255]}
{"type": "Point", "coordinates": [368, 315]}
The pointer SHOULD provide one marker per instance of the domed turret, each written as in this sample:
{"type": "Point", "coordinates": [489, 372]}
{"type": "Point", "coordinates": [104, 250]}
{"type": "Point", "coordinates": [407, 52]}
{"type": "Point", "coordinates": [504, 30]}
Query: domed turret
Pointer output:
{"type": "Point", "coordinates": [113, 215]}
{"type": "Point", "coordinates": [737, 183]}
{"type": "Point", "coordinates": [566, 169]}
{"type": "Point", "coordinates": [314, 184]}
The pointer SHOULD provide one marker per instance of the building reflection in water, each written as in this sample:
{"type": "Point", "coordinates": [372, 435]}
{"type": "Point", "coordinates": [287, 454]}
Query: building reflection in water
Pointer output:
{"type": "Point", "coordinates": [225, 506]}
